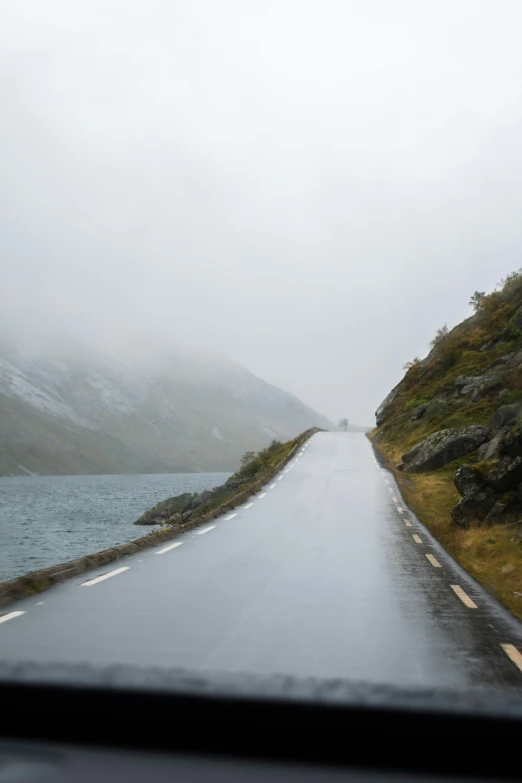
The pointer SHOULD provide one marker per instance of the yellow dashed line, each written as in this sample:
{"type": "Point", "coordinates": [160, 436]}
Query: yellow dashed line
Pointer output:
{"type": "Point", "coordinates": [512, 653]}
{"type": "Point", "coordinates": [464, 597]}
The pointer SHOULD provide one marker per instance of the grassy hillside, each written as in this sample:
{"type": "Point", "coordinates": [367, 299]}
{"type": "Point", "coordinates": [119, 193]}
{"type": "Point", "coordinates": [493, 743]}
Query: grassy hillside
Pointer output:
{"type": "Point", "coordinates": [472, 376]}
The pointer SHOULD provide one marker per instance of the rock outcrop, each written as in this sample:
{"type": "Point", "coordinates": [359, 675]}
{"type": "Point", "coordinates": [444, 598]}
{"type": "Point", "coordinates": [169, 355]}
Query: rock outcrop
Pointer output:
{"type": "Point", "coordinates": [382, 411]}
{"type": "Point", "coordinates": [442, 447]}
{"type": "Point", "coordinates": [477, 499]}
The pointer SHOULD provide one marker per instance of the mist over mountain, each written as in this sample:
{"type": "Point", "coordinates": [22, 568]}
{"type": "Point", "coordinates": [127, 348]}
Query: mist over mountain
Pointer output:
{"type": "Point", "coordinates": [69, 410]}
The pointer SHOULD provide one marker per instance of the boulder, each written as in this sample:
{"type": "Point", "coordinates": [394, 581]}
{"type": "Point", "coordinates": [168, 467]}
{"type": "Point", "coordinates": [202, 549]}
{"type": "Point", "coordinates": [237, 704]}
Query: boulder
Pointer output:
{"type": "Point", "coordinates": [442, 447]}
{"type": "Point", "coordinates": [175, 519]}
{"type": "Point", "coordinates": [419, 412]}
{"type": "Point", "coordinates": [468, 480]}
{"type": "Point", "coordinates": [477, 384]}
{"type": "Point", "coordinates": [506, 416]}
{"type": "Point", "coordinates": [516, 360]}
{"type": "Point", "coordinates": [203, 497]}
{"type": "Point", "coordinates": [473, 507]}
{"type": "Point", "coordinates": [494, 447]}
{"type": "Point", "coordinates": [502, 360]}
{"type": "Point", "coordinates": [506, 475]}
{"type": "Point", "coordinates": [497, 514]}
{"type": "Point", "coordinates": [381, 413]}
{"type": "Point", "coordinates": [512, 443]}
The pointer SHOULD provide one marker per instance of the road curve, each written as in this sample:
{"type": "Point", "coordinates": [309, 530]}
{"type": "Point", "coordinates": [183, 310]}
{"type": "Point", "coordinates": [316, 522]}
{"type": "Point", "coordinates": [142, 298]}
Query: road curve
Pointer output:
{"type": "Point", "coordinates": [324, 573]}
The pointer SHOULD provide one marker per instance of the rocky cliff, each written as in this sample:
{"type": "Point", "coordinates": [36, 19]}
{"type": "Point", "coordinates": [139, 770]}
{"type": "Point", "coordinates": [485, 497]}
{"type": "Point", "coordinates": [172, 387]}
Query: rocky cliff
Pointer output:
{"type": "Point", "coordinates": [453, 428]}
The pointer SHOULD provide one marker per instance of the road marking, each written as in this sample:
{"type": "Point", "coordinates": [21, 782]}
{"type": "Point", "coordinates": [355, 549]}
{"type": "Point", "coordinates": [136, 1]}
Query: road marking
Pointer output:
{"type": "Point", "coordinates": [280, 478]}
{"type": "Point", "coordinates": [104, 577]}
{"type": "Point", "coordinates": [394, 499]}
{"type": "Point", "coordinates": [272, 486]}
{"type": "Point", "coordinates": [40, 603]}
{"type": "Point", "coordinates": [5, 617]}
{"type": "Point", "coordinates": [390, 489]}
{"type": "Point", "coordinates": [400, 510]}
{"type": "Point", "coordinates": [248, 505]}
{"type": "Point", "coordinates": [466, 600]}
{"type": "Point", "coordinates": [262, 495]}
{"type": "Point", "coordinates": [433, 560]}
{"type": "Point", "coordinates": [168, 548]}
{"type": "Point", "coordinates": [386, 481]}
{"type": "Point", "coordinates": [287, 470]}
{"type": "Point", "coordinates": [407, 522]}
{"type": "Point", "coordinates": [512, 652]}
{"type": "Point", "coordinates": [206, 530]}
{"type": "Point", "coordinates": [231, 516]}
{"type": "Point", "coordinates": [416, 538]}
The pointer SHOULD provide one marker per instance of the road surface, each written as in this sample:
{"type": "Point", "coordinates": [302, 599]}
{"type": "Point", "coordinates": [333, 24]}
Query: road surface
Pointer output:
{"type": "Point", "coordinates": [324, 573]}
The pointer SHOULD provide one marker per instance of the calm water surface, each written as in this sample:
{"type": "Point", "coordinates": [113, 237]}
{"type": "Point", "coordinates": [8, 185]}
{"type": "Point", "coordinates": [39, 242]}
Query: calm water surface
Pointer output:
{"type": "Point", "coordinates": [49, 519]}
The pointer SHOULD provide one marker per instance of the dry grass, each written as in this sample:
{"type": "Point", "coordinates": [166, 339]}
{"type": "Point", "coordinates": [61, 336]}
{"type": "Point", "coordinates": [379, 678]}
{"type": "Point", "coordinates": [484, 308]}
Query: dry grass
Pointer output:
{"type": "Point", "coordinates": [492, 555]}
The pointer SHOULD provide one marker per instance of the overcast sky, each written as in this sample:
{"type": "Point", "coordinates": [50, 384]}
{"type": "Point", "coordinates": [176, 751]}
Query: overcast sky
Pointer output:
{"type": "Point", "coordinates": [312, 188]}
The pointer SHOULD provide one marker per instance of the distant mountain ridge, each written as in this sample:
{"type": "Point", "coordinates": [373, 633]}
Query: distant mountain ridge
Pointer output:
{"type": "Point", "coordinates": [72, 412]}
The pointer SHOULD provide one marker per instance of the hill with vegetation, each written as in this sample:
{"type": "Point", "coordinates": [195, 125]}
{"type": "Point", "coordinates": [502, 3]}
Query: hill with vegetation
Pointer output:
{"type": "Point", "coordinates": [73, 412]}
{"type": "Point", "coordinates": [452, 432]}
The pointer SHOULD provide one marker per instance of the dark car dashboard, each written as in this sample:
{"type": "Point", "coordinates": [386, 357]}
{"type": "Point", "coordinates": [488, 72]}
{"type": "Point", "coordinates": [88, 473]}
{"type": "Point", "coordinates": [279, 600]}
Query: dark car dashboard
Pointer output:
{"type": "Point", "coordinates": [83, 724]}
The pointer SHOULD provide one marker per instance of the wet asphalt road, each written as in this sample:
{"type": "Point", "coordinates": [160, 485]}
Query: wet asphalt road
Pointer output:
{"type": "Point", "coordinates": [318, 575]}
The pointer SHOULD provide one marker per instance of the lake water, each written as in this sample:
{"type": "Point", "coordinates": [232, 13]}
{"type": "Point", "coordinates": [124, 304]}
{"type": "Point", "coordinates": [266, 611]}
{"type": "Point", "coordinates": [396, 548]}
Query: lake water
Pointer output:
{"type": "Point", "coordinates": [46, 520]}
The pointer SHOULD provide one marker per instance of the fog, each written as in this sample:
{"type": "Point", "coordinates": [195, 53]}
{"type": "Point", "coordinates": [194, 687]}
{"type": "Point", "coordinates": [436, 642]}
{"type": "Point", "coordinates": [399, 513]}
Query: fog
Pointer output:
{"type": "Point", "coordinates": [311, 188]}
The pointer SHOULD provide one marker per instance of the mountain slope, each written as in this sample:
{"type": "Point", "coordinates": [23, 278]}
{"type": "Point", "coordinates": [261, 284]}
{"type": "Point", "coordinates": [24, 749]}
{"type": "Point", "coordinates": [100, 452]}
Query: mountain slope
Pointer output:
{"type": "Point", "coordinates": [81, 413]}
{"type": "Point", "coordinates": [452, 428]}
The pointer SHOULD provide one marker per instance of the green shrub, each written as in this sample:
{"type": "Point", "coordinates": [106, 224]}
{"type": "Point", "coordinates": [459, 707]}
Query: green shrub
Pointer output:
{"type": "Point", "coordinates": [509, 396]}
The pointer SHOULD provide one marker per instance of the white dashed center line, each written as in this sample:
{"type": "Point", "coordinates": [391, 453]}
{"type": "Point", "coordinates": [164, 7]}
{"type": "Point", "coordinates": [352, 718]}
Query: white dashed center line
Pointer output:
{"type": "Point", "coordinates": [512, 652]}
{"type": "Point", "coordinates": [466, 600]}
{"type": "Point", "coordinates": [230, 516]}
{"type": "Point", "coordinates": [5, 617]}
{"type": "Point", "coordinates": [272, 486]}
{"type": "Point", "coordinates": [416, 538]}
{"type": "Point", "coordinates": [407, 522]}
{"type": "Point", "coordinates": [390, 489]}
{"type": "Point", "coordinates": [248, 505]}
{"type": "Point", "coordinates": [206, 530]}
{"type": "Point", "coordinates": [400, 510]}
{"type": "Point", "coordinates": [98, 579]}
{"type": "Point", "coordinates": [280, 478]}
{"type": "Point", "coordinates": [394, 499]}
{"type": "Point", "coordinates": [262, 495]}
{"type": "Point", "coordinates": [433, 560]}
{"type": "Point", "coordinates": [386, 481]}
{"type": "Point", "coordinates": [169, 547]}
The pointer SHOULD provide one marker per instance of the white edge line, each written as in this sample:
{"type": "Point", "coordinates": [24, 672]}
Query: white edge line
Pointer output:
{"type": "Point", "coordinates": [102, 578]}
{"type": "Point", "coordinates": [248, 505]}
{"type": "Point", "coordinates": [206, 530]}
{"type": "Point", "coordinates": [262, 495]}
{"type": "Point", "coordinates": [169, 547]}
{"type": "Point", "coordinates": [230, 516]}
{"type": "Point", "coordinates": [5, 617]}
